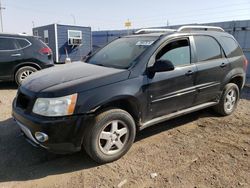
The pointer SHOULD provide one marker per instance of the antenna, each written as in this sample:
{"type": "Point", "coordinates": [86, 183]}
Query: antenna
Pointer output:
{"type": "Point", "coordinates": [1, 15]}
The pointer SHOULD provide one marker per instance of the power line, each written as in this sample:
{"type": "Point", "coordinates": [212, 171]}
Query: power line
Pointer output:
{"type": "Point", "coordinates": [213, 14]}
{"type": "Point", "coordinates": [193, 13]}
{"type": "Point", "coordinates": [224, 5]}
{"type": "Point", "coordinates": [200, 10]}
{"type": "Point", "coordinates": [237, 12]}
{"type": "Point", "coordinates": [173, 16]}
{"type": "Point", "coordinates": [1, 15]}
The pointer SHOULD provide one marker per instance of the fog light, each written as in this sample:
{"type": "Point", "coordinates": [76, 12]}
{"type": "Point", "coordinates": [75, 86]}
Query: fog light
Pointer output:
{"type": "Point", "coordinates": [41, 137]}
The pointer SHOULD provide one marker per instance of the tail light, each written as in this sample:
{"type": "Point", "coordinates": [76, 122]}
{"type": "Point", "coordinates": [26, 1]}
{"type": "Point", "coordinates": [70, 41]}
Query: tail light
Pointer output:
{"type": "Point", "coordinates": [245, 64]}
{"type": "Point", "coordinates": [45, 51]}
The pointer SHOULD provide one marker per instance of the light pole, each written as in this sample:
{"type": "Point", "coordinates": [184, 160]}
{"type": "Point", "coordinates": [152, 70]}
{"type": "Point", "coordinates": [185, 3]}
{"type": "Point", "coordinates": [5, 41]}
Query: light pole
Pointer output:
{"type": "Point", "coordinates": [74, 18]}
{"type": "Point", "coordinates": [1, 15]}
{"type": "Point", "coordinates": [167, 23]}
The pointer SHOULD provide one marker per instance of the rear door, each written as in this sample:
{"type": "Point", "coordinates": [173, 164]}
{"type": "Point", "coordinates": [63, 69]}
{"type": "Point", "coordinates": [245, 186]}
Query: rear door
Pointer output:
{"type": "Point", "coordinates": [212, 67]}
{"type": "Point", "coordinates": [10, 56]}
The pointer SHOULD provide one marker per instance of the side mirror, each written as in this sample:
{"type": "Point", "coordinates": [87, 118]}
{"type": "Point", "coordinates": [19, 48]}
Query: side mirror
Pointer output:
{"type": "Point", "coordinates": [161, 66]}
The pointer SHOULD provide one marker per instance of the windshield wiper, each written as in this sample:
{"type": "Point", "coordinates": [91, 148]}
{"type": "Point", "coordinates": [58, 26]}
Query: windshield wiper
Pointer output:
{"type": "Point", "coordinates": [109, 66]}
{"type": "Point", "coordinates": [99, 64]}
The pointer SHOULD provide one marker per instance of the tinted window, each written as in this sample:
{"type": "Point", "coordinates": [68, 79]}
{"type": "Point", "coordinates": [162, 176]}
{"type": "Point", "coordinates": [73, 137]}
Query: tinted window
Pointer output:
{"type": "Point", "coordinates": [7, 44]}
{"type": "Point", "coordinates": [230, 47]}
{"type": "Point", "coordinates": [207, 48]}
{"type": "Point", "coordinates": [23, 43]}
{"type": "Point", "coordinates": [177, 52]}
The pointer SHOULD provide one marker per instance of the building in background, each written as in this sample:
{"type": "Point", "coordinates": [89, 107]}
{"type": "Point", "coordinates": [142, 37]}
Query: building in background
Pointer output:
{"type": "Point", "coordinates": [101, 38]}
{"type": "Point", "coordinates": [239, 29]}
{"type": "Point", "coordinates": [65, 41]}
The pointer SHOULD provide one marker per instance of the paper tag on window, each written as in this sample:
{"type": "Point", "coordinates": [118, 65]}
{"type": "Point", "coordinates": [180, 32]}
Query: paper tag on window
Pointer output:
{"type": "Point", "coordinates": [144, 43]}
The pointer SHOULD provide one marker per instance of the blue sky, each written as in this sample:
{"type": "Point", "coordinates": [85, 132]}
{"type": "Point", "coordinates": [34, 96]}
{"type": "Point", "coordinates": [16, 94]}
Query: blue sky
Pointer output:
{"type": "Point", "coordinates": [20, 15]}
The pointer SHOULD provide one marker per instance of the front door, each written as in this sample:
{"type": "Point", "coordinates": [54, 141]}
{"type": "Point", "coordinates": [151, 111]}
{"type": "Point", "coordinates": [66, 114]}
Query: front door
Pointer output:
{"type": "Point", "coordinates": [174, 90]}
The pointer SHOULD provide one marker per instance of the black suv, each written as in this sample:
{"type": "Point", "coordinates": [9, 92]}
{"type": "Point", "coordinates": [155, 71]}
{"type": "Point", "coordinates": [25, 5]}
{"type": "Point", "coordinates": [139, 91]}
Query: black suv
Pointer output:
{"type": "Point", "coordinates": [21, 55]}
{"type": "Point", "coordinates": [130, 84]}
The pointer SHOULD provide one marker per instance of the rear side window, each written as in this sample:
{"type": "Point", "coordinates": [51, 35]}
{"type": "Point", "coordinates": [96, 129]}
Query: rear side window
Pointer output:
{"type": "Point", "coordinates": [39, 42]}
{"type": "Point", "coordinates": [7, 44]}
{"type": "Point", "coordinates": [23, 43]}
{"type": "Point", "coordinates": [178, 52]}
{"type": "Point", "coordinates": [230, 47]}
{"type": "Point", "coordinates": [207, 48]}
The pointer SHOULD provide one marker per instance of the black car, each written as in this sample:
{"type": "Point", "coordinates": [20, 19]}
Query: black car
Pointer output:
{"type": "Point", "coordinates": [21, 55]}
{"type": "Point", "coordinates": [130, 84]}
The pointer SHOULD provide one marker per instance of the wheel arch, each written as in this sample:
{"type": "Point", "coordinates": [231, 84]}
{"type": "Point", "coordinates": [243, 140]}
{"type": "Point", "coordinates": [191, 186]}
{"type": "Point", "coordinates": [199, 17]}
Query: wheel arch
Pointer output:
{"type": "Point", "coordinates": [25, 64]}
{"type": "Point", "coordinates": [236, 76]}
{"type": "Point", "coordinates": [238, 80]}
{"type": "Point", "coordinates": [127, 103]}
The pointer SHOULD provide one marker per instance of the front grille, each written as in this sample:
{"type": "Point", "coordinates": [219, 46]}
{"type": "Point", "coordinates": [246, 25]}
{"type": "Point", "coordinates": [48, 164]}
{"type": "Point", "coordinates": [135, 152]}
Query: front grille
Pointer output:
{"type": "Point", "coordinates": [22, 101]}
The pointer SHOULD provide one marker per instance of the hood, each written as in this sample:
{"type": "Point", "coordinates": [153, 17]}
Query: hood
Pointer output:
{"type": "Point", "coordinates": [71, 78]}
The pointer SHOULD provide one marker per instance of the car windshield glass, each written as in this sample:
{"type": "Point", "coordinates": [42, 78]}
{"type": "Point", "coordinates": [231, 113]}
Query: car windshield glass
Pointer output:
{"type": "Point", "coordinates": [122, 52]}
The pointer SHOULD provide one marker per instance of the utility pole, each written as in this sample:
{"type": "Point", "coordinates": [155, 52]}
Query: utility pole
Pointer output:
{"type": "Point", "coordinates": [1, 15]}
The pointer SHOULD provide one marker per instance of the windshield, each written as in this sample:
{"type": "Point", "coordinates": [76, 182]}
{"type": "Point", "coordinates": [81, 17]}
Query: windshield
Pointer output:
{"type": "Point", "coordinates": [122, 52]}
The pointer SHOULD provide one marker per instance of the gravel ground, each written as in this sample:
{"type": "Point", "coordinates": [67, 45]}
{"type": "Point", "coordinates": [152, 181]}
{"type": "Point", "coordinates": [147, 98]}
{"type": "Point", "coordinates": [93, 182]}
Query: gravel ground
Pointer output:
{"type": "Point", "coordinates": [198, 150]}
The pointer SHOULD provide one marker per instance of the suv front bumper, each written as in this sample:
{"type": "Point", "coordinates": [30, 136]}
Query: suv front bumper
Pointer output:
{"type": "Point", "coordinates": [65, 133]}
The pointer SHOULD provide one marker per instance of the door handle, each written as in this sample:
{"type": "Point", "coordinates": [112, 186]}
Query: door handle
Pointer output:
{"type": "Point", "coordinates": [189, 73]}
{"type": "Point", "coordinates": [15, 55]}
{"type": "Point", "coordinates": [223, 65]}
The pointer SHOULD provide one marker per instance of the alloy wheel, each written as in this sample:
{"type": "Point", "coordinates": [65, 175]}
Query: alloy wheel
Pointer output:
{"type": "Point", "coordinates": [113, 137]}
{"type": "Point", "coordinates": [25, 74]}
{"type": "Point", "coordinates": [230, 100]}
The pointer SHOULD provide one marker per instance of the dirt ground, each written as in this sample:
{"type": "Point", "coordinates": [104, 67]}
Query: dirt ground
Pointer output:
{"type": "Point", "coordinates": [197, 150]}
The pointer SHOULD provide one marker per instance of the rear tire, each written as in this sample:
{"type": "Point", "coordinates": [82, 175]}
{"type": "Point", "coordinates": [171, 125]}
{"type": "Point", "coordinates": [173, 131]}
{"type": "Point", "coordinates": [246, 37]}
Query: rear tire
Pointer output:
{"type": "Point", "coordinates": [23, 73]}
{"type": "Point", "coordinates": [110, 136]}
{"type": "Point", "coordinates": [229, 100]}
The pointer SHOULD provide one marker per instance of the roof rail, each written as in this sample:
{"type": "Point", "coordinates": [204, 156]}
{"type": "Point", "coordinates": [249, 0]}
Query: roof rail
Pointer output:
{"type": "Point", "coordinates": [200, 27]}
{"type": "Point", "coordinates": [156, 30]}
{"type": "Point", "coordinates": [23, 34]}
{"type": "Point", "coordinates": [15, 34]}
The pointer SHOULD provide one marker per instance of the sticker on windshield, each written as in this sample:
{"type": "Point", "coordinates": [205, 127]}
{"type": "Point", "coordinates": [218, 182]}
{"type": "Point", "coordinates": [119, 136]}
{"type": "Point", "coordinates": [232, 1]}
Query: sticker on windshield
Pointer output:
{"type": "Point", "coordinates": [144, 43]}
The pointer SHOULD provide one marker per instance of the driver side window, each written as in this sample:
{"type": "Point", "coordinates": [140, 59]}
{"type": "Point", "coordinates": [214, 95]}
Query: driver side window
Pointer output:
{"type": "Point", "coordinates": [178, 52]}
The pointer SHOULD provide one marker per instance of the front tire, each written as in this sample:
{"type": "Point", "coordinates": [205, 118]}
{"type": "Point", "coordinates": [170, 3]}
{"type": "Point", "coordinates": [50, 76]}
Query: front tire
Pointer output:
{"type": "Point", "coordinates": [111, 135]}
{"type": "Point", "coordinates": [229, 100]}
{"type": "Point", "coordinates": [22, 73]}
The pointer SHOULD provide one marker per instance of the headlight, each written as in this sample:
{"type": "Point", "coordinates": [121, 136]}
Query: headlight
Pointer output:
{"type": "Point", "coordinates": [61, 106]}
